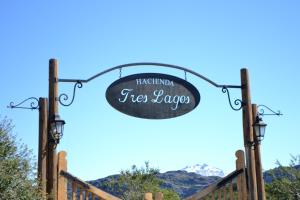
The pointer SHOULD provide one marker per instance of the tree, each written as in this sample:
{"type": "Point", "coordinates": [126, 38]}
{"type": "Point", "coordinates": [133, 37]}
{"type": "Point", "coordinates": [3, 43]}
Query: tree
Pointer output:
{"type": "Point", "coordinates": [134, 183]}
{"type": "Point", "coordinates": [17, 171]}
{"type": "Point", "coordinates": [286, 181]}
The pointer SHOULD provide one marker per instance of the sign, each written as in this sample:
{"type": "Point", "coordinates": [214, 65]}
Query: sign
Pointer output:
{"type": "Point", "coordinates": [152, 96]}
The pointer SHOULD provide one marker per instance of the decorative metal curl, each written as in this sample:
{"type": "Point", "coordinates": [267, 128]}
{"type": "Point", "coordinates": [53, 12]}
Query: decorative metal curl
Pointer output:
{"type": "Point", "coordinates": [261, 111]}
{"type": "Point", "coordinates": [34, 104]}
{"type": "Point", "coordinates": [238, 103]}
{"type": "Point", "coordinates": [65, 97]}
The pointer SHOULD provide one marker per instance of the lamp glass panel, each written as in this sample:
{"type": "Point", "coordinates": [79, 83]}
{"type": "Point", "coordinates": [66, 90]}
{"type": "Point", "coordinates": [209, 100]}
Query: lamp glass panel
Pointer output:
{"type": "Point", "coordinates": [53, 128]}
{"type": "Point", "coordinates": [257, 130]}
{"type": "Point", "coordinates": [262, 130]}
{"type": "Point", "coordinates": [59, 126]}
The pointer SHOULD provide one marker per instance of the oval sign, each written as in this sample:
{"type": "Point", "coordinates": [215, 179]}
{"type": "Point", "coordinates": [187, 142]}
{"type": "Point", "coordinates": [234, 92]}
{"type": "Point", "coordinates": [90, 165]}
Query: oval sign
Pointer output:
{"type": "Point", "coordinates": [153, 96]}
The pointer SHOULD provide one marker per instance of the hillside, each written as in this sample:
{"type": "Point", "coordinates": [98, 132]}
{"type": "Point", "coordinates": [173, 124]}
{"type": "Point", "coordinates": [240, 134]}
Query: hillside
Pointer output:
{"type": "Point", "coordinates": [277, 173]}
{"type": "Point", "coordinates": [182, 182]}
{"type": "Point", "coordinates": [185, 183]}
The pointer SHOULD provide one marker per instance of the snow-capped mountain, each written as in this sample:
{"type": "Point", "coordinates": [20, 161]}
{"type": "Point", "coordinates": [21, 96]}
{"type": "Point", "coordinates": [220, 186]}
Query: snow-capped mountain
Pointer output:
{"type": "Point", "coordinates": [204, 170]}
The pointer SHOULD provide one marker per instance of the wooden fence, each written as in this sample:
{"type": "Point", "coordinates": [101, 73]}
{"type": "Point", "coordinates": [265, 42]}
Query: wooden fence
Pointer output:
{"type": "Point", "coordinates": [158, 196]}
{"type": "Point", "coordinates": [80, 190]}
{"type": "Point", "coordinates": [233, 186]}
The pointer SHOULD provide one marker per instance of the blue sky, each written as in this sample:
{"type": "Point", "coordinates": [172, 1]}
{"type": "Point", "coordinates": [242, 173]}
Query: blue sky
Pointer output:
{"type": "Point", "coordinates": [213, 38]}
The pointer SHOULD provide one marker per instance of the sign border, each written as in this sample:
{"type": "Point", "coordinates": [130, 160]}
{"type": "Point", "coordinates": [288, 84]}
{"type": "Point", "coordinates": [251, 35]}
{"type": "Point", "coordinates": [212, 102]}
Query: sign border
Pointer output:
{"type": "Point", "coordinates": [190, 87]}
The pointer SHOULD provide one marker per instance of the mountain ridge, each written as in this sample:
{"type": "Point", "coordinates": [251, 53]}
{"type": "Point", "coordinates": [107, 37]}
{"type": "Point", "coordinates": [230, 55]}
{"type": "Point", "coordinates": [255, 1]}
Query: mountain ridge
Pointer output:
{"type": "Point", "coordinates": [182, 182]}
{"type": "Point", "coordinates": [204, 170]}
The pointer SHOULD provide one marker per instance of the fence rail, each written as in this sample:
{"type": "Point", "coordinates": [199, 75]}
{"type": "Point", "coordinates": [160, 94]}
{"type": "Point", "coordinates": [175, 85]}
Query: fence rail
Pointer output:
{"type": "Point", "coordinates": [80, 190]}
{"type": "Point", "coordinates": [233, 186]}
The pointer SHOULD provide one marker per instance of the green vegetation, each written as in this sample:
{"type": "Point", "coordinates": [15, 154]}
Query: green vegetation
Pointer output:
{"type": "Point", "coordinates": [286, 181]}
{"type": "Point", "coordinates": [134, 183]}
{"type": "Point", "coordinates": [17, 177]}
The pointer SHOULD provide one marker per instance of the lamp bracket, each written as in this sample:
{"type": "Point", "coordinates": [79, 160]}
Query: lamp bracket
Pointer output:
{"type": "Point", "coordinates": [254, 143]}
{"type": "Point", "coordinates": [251, 143]}
{"type": "Point", "coordinates": [64, 97]}
{"type": "Point", "coordinates": [33, 105]}
{"type": "Point", "coordinates": [261, 111]}
{"type": "Point", "coordinates": [238, 104]}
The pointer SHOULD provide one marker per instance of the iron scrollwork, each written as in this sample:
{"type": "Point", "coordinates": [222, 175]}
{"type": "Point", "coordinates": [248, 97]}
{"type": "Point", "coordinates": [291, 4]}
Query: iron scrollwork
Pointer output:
{"type": "Point", "coordinates": [238, 104]}
{"type": "Point", "coordinates": [261, 111]}
{"type": "Point", "coordinates": [64, 97]}
{"type": "Point", "coordinates": [33, 105]}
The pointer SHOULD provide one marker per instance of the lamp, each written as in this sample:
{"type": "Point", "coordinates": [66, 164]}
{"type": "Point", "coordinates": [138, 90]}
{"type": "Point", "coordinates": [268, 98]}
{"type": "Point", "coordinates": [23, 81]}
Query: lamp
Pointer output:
{"type": "Point", "coordinates": [57, 128]}
{"type": "Point", "coordinates": [259, 129]}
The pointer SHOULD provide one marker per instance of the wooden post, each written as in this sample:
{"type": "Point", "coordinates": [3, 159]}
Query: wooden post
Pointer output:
{"type": "Point", "coordinates": [148, 196]}
{"type": "Point", "coordinates": [80, 193]}
{"type": "Point", "coordinates": [219, 194]}
{"type": "Point", "coordinates": [213, 195]}
{"type": "Point", "coordinates": [231, 191]}
{"type": "Point", "coordinates": [74, 190]}
{"type": "Point", "coordinates": [62, 191]}
{"type": "Point", "coordinates": [225, 192]}
{"type": "Point", "coordinates": [87, 195]}
{"type": "Point", "coordinates": [241, 179]}
{"type": "Point", "coordinates": [259, 174]}
{"type": "Point", "coordinates": [53, 109]}
{"type": "Point", "coordinates": [248, 134]}
{"type": "Point", "coordinates": [159, 196]}
{"type": "Point", "coordinates": [43, 137]}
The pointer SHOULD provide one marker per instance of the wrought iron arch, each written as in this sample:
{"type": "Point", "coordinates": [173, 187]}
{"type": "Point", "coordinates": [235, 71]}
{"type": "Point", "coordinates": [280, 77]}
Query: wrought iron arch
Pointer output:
{"type": "Point", "coordinates": [238, 104]}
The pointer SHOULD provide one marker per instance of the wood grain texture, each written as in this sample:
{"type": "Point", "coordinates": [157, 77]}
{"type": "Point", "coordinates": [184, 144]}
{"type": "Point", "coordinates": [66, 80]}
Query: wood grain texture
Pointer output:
{"type": "Point", "coordinates": [62, 193]}
{"type": "Point", "coordinates": [53, 109]}
{"type": "Point", "coordinates": [148, 196]}
{"type": "Point", "coordinates": [43, 142]}
{"type": "Point", "coordinates": [248, 134]}
{"type": "Point", "coordinates": [241, 179]}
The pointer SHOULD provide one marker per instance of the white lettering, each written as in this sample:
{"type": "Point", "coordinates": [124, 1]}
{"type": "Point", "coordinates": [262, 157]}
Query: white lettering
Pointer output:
{"type": "Point", "coordinates": [176, 100]}
{"type": "Point", "coordinates": [154, 81]}
{"type": "Point", "coordinates": [159, 97]}
{"type": "Point", "coordinates": [168, 99]}
{"type": "Point", "coordinates": [139, 99]}
{"type": "Point", "coordinates": [157, 94]}
{"type": "Point", "coordinates": [124, 93]}
{"type": "Point", "coordinates": [139, 81]}
{"type": "Point", "coordinates": [187, 100]}
{"type": "Point", "coordinates": [182, 99]}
